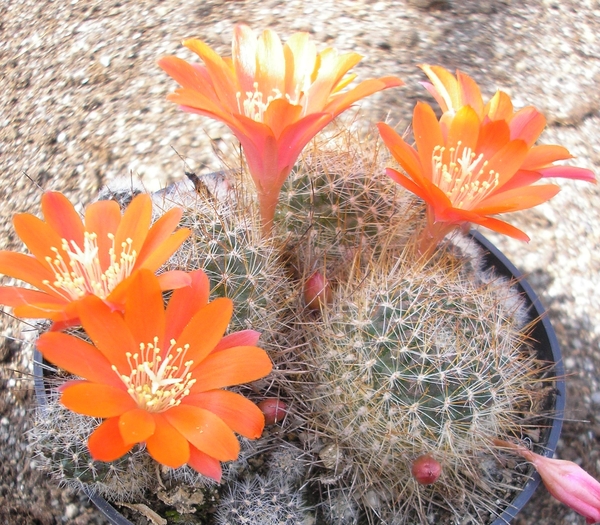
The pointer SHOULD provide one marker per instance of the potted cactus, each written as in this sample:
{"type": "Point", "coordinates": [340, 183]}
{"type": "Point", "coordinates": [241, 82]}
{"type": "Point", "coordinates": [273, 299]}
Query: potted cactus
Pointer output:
{"type": "Point", "coordinates": [380, 364]}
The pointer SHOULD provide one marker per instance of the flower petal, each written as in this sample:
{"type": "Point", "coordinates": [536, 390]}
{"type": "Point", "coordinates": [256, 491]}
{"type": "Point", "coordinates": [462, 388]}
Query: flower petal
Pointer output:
{"type": "Point", "coordinates": [185, 302]}
{"type": "Point", "coordinates": [493, 136]}
{"type": "Point", "coordinates": [342, 101]}
{"type": "Point", "coordinates": [406, 155]}
{"type": "Point", "coordinates": [77, 357]}
{"type": "Point", "coordinates": [205, 464]}
{"type": "Point", "coordinates": [103, 218]}
{"type": "Point", "coordinates": [15, 296]}
{"type": "Point", "coordinates": [521, 179]}
{"type": "Point", "coordinates": [243, 52]}
{"type": "Point", "coordinates": [38, 236]}
{"type": "Point", "coordinates": [188, 76]}
{"type": "Point", "coordinates": [144, 310]}
{"type": "Point", "coordinates": [241, 338]}
{"type": "Point", "coordinates": [427, 134]}
{"type": "Point", "coordinates": [293, 140]}
{"type": "Point", "coordinates": [332, 68]}
{"type": "Point", "coordinates": [61, 216]}
{"type": "Point", "coordinates": [544, 155]}
{"type": "Point", "coordinates": [527, 125]}
{"type": "Point", "coordinates": [502, 227]}
{"type": "Point", "coordinates": [470, 95]}
{"type": "Point", "coordinates": [161, 241]}
{"type": "Point", "coordinates": [443, 87]}
{"type": "Point", "coordinates": [106, 443]}
{"type": "Point", "coordinates": [223, 77]}
{"type": "Point", "coordinates": [197, 102]}
{"type": "Point", "coordinates": [300, 62]}
{"type": "Point", "coordinates": [517, 199]}
{"type": "Point", "coordinates": [206, 329]}
{"type": "Point", "coordinates": [270, 64]}
{"type": "Point", "coordinates": [281, 114]}
{"type": "Point", "coordinates": [464, 131]}
{"type": "Point", "coordinates": [173, 279]}
{"type": "Point", "coordinates": [499, 107]}
{"type": "Point", "coordinates": [229, 367]}
{"type": "Point", "coordinates": [507, 161]}
{"type": "Point", "coordinates": [205, 431]}
{"type": "Point", "coordinates": [568, 172]}
{"type": "Point", "coordinates": [25, 268]}
{"type": "Point", "coordinates": [108, 332]}
{"type": "Point", "coordinates": [167, 445]}
{"type": "Point", "coordinates": [237, 412]}
{"type": "Point", "coordinates": [134, 224]}
{"type": "Point", "coordinates": [42, 310]}
{"type": "Point", "coordinates": [97, 400]}
{"type": "Point", "coordinates": [408, 184]}
{"type": "Point", "coordinates": [136, 426]}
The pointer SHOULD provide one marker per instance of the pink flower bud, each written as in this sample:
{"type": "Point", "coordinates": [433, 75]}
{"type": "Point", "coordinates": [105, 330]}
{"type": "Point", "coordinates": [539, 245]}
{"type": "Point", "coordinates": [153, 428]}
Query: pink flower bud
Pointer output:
{"type": "Point", "coordinates": [317, 291]}
{"type": "Point", "coordinates": [426, 470]}
{"type": "Point", "coordinates": [566, 481]}
{"type": "Point", "coordinates": [273, 409]}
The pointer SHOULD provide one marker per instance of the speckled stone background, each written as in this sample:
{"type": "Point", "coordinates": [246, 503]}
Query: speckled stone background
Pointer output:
{"type": "Point", "coordinates": [82, 102]}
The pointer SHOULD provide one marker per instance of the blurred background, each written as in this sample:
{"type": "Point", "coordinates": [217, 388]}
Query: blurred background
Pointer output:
{"type": "Point", "coordinates": [82, 103]}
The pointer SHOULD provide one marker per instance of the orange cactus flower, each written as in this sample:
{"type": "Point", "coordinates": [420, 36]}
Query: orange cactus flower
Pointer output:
{"type": "Point", "coordinates": [476, 161]}
{"type": "Point", "coordinates": [71, 259]}
{"type": "Point", "coordinates": [274, 97]}
{"type": "Point", "coordinates": [453, 93]}
{"type": "Point", "coordinates": [156, 375]}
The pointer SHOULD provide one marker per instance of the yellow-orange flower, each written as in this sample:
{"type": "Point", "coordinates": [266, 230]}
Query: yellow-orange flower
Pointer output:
{"type": "Point", "coordinates": [476, 161]}
{"type": "Point", "coordinates": [157, 375]}
{"type": "Point", "coordinates": [453, 93]}
{"type": "Point", "coordinates": [274, 97]}
{"type": "Point", "coordinates": [71, 259]}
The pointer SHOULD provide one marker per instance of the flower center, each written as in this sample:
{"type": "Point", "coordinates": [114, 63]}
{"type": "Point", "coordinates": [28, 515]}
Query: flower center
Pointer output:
{"type": "Point", "coordinates": [156, 383]}
{"type": "Point", "coordinates": [254, 105]}
{"type": "Point", "coordinates": [82, 273]}
{"type": "Point", "coordinates": [465, 179]}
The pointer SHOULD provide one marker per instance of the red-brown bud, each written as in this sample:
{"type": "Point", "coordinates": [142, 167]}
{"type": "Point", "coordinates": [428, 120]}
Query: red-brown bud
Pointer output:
{"type": "Point", "coordinates": [317, 291]}
{"type": "Point", "coordinates": [273, 409]}
{"type": "Point", "coordinates": [426, 470]}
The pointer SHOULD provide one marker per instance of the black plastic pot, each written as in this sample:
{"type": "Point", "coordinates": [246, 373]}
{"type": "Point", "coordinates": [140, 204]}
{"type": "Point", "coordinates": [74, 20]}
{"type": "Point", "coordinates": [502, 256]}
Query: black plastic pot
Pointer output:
{"type": "Point", "coordinates": [545, 343]}
{"type": "Point", "coordinates": [548, 350]}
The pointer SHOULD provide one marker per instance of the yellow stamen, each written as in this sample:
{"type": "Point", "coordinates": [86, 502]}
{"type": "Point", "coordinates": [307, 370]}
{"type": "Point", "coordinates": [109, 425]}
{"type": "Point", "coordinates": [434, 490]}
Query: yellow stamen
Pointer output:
{"type": "Point", "coordinates": [254, 106]}
{"type": "Point", "coordinates": [156, 382]}
{"type": "Point", "coordinates": [82, 274]}
{"type": "Point", "coordinates": [465, 178]}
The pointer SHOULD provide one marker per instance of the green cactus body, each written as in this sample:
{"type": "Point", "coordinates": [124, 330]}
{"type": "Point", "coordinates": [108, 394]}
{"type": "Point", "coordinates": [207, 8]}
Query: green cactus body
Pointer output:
{"type": "Point", "coordinates": [227, 244]}
{"type": "Point", "coordinates": [337, 201]}
{"type": "Point", "coordinates": [414, 360]}
{"type": "Point", "coordinates": [60, 440]}
{"type": "Point", "coordinates": [412, 357]}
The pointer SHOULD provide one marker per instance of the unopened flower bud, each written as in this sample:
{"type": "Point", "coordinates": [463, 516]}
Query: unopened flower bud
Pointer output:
{"type": "Point", "coordinates": [317, 291]}
{"type": "Point", "coordinates": [565, 480]}
{"type": "Point", "coordinates": [273, 409]}
{"type": "Point", "coordinates": [426, 470]}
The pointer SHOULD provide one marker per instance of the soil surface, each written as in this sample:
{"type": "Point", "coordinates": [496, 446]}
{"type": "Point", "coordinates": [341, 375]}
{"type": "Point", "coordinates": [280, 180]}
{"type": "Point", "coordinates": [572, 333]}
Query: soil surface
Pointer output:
{"type": "Point", "coordinates": [82, 103]}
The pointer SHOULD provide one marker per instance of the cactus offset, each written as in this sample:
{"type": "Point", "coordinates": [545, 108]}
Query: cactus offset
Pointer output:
{"type": "Point", "coordinates": [59, 438]}
{"type": "Point", "coordinates": [227, 244]}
